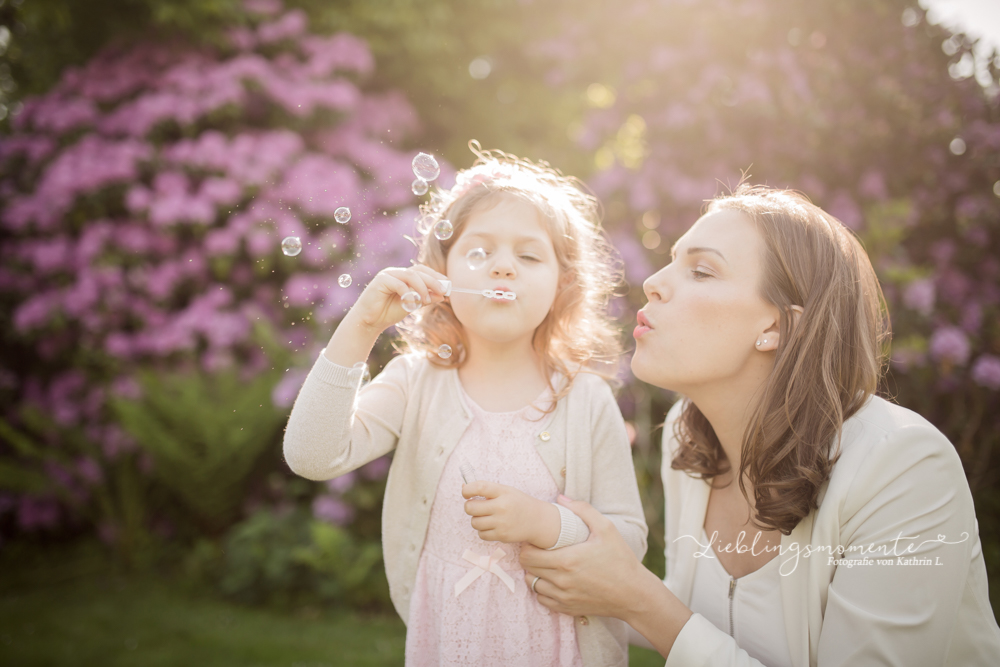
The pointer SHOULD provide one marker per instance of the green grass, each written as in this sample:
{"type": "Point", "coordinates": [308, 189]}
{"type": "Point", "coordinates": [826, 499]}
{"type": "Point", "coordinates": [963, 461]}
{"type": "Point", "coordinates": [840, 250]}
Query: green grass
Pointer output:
{"type": "Point", "coordinates": [76, 609]}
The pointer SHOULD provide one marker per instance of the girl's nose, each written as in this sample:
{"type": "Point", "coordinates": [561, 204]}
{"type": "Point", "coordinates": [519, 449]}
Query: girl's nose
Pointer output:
{"type": "Point", "coordinates": [502, 267]}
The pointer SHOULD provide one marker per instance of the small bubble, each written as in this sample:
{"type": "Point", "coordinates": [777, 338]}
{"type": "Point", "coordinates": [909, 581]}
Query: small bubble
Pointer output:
{"type": "Point", "coordinates": [957, 146]}
{"type": "Point", "coordinates": [910, 17]}
{"type": "Point", "coordinates": [476, 258]}
{"type": "Point", "coordinates": [996, 188]}
{"type": "Point", "coordinates": [342, 215]}
{"type": "Point", "coordinates": [480, 68]}
{"type": "Point", "coordinates": [443, 230]}
{"type": "Point", "coordinates": [411, 302]}
{"type": "Point", "coordinates": [425, 167]}
{"type": "Point", "coordinates": [291, 246]}
{"type": "Point", "coordinates": [419, 187]}
{"type": "Point", "coordinates": [344, 280]}
{"type": "Point", "coordinates": [444, 351]}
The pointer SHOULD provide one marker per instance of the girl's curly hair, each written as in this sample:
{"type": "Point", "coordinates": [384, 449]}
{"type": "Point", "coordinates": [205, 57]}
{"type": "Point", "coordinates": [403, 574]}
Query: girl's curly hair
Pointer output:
{"type": "Point", "coordinates": [577, 334]}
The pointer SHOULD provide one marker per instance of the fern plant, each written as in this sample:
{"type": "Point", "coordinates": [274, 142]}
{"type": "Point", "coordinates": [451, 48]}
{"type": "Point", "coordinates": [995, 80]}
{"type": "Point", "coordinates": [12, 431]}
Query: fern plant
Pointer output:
{"type": "Point", "coordinates": [205, 432]}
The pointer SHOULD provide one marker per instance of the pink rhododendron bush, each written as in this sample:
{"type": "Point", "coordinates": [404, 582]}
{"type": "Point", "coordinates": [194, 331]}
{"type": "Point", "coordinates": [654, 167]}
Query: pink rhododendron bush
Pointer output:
{"type": "Point", "coordinates": [145, 200]}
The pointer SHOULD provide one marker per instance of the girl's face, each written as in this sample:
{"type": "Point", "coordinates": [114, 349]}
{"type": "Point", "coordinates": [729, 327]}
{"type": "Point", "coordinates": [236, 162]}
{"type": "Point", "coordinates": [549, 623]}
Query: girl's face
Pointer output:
{"type": "Point", "coordinates": [705, 312]}
{"type": "Point", "coordinates": [520, 258]}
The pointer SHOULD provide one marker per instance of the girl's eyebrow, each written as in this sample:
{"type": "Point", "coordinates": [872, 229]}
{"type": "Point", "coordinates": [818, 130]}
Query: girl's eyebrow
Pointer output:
{"type": "Point", "coordinates": [523, 237]}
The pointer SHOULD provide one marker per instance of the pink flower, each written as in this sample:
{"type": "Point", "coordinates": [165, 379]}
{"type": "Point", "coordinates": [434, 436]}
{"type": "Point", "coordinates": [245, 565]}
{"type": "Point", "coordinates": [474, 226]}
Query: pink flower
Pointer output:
{"type": "Point", "coordinates": [341, 484]}
{"type": "Point", "coordinates": [292, 24]}
{"type": "Point", "coordinates": [88, 470]}
{"type": "Point", "coordinates": [35, 513]}
{"type": "Point", "coordinates": [950, 344]}
{"type": "Point", "coordinates": [986, 372]}
{"type": "Point", "coordinates": [332, 510]}
{"type": "Point", "coordinates": [919, 296]}
{"type": "Point", "coordinates": [376, 469]}
{"type": "Point", "coordinates": [284, 393]}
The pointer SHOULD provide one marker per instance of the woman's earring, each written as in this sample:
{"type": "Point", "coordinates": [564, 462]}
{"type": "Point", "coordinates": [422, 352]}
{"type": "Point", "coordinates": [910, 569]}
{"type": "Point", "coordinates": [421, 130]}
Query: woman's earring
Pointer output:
{"type": "Point", "coordinates": [758, 343]}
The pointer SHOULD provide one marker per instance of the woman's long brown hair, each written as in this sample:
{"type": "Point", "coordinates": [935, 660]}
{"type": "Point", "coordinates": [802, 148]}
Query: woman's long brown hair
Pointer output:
{"type": "Point", "coordinates": [828, 362]}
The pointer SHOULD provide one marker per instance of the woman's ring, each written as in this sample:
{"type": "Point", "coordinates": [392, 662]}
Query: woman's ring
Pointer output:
{"type": "Point", "coordinates": [533, 585]}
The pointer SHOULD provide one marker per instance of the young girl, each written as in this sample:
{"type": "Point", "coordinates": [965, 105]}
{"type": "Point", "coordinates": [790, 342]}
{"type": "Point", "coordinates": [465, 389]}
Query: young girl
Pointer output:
{"type": "Point", "coordinates": [506, 392]}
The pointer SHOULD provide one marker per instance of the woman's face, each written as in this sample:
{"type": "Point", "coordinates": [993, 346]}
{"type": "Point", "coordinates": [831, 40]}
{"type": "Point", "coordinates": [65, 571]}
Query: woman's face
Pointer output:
{"type": "Point", "coordinates": [705, 313]}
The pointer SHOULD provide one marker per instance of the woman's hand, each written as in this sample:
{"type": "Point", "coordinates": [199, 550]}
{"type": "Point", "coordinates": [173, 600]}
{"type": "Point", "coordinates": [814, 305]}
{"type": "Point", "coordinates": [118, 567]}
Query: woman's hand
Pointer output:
{"type": "Point", "coordinates": [504, 514]}
{"type": "Point", "coordinates": [601, 576]}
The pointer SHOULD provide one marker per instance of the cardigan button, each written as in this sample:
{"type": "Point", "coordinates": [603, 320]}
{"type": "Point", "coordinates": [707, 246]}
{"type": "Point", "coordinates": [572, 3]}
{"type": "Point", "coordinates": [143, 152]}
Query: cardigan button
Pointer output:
{"type": "Point", "coordinates": [544, 435]}
{"type": "Point", "coordinates": [584, 620]}
{"type": "Point", "coordinates": [563, 472]}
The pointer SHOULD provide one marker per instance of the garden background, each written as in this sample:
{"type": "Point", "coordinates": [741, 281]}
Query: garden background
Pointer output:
{"type": "Point", "coordinates": [153, 154]}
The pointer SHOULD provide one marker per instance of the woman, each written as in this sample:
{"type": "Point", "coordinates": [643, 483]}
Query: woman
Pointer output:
{"type": "Point", "coordinates": [808, 522]}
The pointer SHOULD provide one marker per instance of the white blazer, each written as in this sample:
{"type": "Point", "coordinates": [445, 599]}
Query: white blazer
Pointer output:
{"type": "Point", "coordinates": [900, 492]}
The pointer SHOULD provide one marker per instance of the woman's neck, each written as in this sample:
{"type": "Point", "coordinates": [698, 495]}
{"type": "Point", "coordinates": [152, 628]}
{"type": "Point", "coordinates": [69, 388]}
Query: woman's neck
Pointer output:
{"type": "Point", "coordinates": [728, 408]}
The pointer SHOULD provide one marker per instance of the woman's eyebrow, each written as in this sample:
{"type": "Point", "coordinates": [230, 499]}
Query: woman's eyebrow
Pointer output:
{"type": "Point", "coordinates": [698, 250]}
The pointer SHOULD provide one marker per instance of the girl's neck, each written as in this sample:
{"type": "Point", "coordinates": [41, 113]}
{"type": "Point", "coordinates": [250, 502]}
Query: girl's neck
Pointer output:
{"type": "Point", "coordinates": [502, 377]}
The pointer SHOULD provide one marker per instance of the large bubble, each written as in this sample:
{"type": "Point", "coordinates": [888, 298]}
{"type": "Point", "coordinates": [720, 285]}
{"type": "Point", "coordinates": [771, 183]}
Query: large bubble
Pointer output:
{"type": "Point", "coordinates": [444, 351]}
{"type": "Point", "coordinates": [419, 187]}
{"type": "Point", "coordinates": [291, 246]}
{"type": "Point", "coordinates": [411, 302]}
{"type": "Point", "coordinates": [344, 280]}
{"type": "Point", "coordinates": [476, 258]}
{"type": "Point", "coordinates": [443, 230]}
{"type": "Point", "coordinates": [425, 167]}
{"type": "Point", "coordinates": [342, 215]}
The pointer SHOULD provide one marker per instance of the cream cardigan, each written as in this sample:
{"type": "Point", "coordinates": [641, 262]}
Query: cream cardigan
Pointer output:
{"type": "Point", "coordinates": [898, 476]}
{"type": "Point", "coordinates": [415, 408]}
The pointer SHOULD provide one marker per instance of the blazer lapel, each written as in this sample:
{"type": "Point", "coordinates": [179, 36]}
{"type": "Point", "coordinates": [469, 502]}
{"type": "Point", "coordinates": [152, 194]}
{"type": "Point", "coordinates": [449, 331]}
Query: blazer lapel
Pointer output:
{"type": "Point", "coordinates": [689, 537]}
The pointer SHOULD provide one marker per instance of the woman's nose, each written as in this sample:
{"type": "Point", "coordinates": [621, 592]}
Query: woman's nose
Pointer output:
{"type": "Point", "coordinates": [654, 287]}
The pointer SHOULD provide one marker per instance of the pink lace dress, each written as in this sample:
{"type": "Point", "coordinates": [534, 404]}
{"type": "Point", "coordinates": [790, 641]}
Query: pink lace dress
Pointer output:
{"type": "Point", "coordinates": [486, 623]}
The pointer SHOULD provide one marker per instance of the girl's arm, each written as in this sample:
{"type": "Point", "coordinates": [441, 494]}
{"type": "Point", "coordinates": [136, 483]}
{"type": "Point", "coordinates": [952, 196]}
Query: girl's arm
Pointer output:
{"type": "Point", "coordinates": [333, 427]}
{"type": "Point", "coordinates": [508, 515]}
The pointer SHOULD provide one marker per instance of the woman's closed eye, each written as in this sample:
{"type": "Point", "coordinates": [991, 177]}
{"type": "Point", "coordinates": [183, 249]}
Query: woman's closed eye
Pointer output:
{"type": "Point", "coordinates": [700, 275]}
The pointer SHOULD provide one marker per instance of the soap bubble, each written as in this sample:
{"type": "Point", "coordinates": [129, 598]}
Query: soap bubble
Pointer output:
{"type": "Point", "coordinates": [443, 230]}
{"type": "Point", "coordinates": [411, 302]}
{"type": "Point", "coordinates": [425, 167]}
{"type": "Point", "coordinates": [291, 246]}
{"type": "Point", "coordinates": [344, 280]}
{"type": "Point", "coordinates": [476, 258]}
{"type": "Point", "coordinates": [342, 215]}
{"type": "Point", "coordinates": [419, 187]}
{"type": "Point", "coordinates": [444, 351]}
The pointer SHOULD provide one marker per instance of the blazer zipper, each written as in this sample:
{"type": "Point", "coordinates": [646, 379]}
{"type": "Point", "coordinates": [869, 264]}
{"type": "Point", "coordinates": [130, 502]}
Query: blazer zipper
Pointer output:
{"type": "Point", "coordinates": [732, 589]}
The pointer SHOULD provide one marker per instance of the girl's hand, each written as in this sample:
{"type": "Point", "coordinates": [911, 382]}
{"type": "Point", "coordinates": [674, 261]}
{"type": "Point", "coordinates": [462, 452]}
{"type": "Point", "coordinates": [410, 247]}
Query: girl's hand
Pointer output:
{"type": "Point", "coordinates": [380, 304]}
{"type": "Point", "coordinates": [508, 515]}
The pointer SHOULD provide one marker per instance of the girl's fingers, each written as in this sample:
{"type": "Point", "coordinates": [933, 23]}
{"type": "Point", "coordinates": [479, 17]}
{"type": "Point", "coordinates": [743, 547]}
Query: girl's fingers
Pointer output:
{"type": "Point", "coordinates": [413, 281]}
{"type": "Point", "coordinates": [423, 268]}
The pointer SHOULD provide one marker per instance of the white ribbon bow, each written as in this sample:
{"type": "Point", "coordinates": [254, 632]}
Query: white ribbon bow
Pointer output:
{"type": "Point", "coordinates": [483, 565]}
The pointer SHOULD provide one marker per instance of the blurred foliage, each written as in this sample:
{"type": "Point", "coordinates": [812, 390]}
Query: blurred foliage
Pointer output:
{"type": "Point", "coordinates": [205, 434]}
{"type": "Point", "coordinates": [288, 559]}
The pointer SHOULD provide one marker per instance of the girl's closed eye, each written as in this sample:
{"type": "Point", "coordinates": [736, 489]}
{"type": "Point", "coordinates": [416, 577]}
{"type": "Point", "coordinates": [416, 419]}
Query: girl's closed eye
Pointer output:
{"type": "Point", "coordinates": [700, 275]}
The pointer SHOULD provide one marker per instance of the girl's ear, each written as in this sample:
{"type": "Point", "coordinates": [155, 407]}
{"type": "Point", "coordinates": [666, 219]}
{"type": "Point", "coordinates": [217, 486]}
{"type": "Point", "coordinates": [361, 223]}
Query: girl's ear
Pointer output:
{"type": "Point", "coordinates": [567, 278]}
